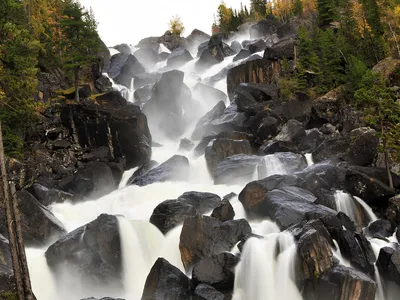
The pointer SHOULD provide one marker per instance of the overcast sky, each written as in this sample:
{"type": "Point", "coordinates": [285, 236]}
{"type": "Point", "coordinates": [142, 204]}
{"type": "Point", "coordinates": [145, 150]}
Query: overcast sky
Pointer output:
{"type": "Point", "coordinates": [128, 21]}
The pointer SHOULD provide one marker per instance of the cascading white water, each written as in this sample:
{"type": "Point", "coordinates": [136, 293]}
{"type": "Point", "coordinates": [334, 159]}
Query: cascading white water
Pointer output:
{"type": "Point", "coordinates": [349, 205]}
{"type": "Point", "coordinates": [126, 176]}
{"type": "Point", "coordinates": [132, 260]}
{"type": "Point", "coordinates": [273, 166]}
{"type": "Point", "coordinates": [344, 203]}
{"type": "Point", "coordinates": [309, 159]}
{"type": "Point", "coordinates": [264, 274]}
{"type": "Point", "coordinates": [371, 216]}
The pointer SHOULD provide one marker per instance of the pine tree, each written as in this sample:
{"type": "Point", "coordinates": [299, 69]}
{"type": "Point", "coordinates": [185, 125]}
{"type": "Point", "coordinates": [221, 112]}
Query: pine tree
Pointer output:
{"type": "Point", "coordinates": [258, 8]}
{"type": "Point", "coordinates": [382, 112]}
{"type": "Point", "coordinates": [326, 12]}
{"type": "Point", "coordinates": [81, 40]}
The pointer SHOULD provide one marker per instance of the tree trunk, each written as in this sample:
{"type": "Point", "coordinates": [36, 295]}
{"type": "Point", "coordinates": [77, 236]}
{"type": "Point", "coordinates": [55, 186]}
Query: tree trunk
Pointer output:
{"type": "Point", "coordinates": [21, 273]}
{"type": "Point", "coordinates": [76, 75]}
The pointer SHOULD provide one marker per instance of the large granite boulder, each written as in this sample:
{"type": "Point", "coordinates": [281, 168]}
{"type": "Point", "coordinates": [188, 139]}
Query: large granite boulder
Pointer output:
{"type": "Point", "coordinates": [204, 236]}
{"type": "Point", "coordinates": [166, 282]}
{"type": "Point", "coordinates": [109, 121]}
{"type": "Point", "coordinates": [91, 253]}
{"type": "Point", "coordinates": [174, 169]}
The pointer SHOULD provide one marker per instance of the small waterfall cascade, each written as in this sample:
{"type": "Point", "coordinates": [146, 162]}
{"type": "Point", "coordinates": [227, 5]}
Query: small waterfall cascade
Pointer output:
{"type": "Point", "coordinates": [135, 268]}
{"type": "Point", "coordinates": [309, 159]}
{"type": "Point", "coordinates": [338, 254]}
{"type": "Point", "coordinates": [126, 176]}
{"type": "Point", "coordinates": [344, 203]}
{"type": "Point", "coordinates": [265, 272]}
{"type": "Point", "coordinates": [273, 166]}
{"type": "Point", "coordinates": [371, 216]}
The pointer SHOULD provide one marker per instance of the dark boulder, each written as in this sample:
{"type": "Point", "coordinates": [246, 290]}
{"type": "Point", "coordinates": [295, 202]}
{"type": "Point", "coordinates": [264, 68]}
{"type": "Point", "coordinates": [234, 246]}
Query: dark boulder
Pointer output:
{"type": "Point", "coordinates": [39, 225]}
{"type": "Point", "coordinates": [109, 121]}
{"type": "Point", "coordinates": [389, 264]}
{"type": "Point", "coordinates": [206, 292]}
{"type": "Point", "coordinates": [222, 148]}
{"type": "Point", "coordinates": [360, 183]}
{"type": "Point", "coordinates": [166, 282]}
{"type": "Point", "coordinates": [203, 126]}
{"type": "Point", "coordinates": [217, 271]}
{"type": "Point", "coordinates": [103, 84]}
{"type": "Point", "coordinates": [178, 58]}
{"type": "Point", "coordinates": [237, 169]}
{"type": "Point", "coordinates": [267, 129]}
{"type": "Point", "coordinates": [143, 169]}
{"type": "Point", "coordinates": [214, 53]}
{"type": "Point", "coordinates": [273, 146]}
{"type": "Point", "coordinates": [381, 228]}
{"type": "Point", "coordinates": [174, 169]}
{"type": "Point", "coordinates": [265, 27]}
{"type": "Point", "coordinates": [252, 196]}
{"type": "Point", "coordinates": [124, 48]}
{"type": "Point", "coordinates": [284, 49]}
{"type": "Point", "coordinates": [286, 206]}
{"type": "Point", "coordinates": [357, 249]}
{"type": "Point", "coordinates": [92, 252]}
{"type": "Point", "coordinates": [341, 283]}
{"type": "Point", "coordinates": [203, 202]}
{"type": "Point", "coordinates": [95, 179]}
{"type": "Point", "coordinates": [314, 253]}
{"type": "Point", "coordinates": [392, 212]}
{"type": "Point", "coordinates": [243, 53]}
{"type": "Point", "coordinates": [224, 211]}
{"type": "Point", "coordinates": [292, 131]}
{"type": "Point", "coordinates": [256, 46]}
{"type": "Point", "coordinates": [48, 196]}
{"type": "Point", "coordinates": [204, 236]}
{"type": "Point", "coordinates": [312, 140]}
{"type": "Point", "coordinates": [254, 97]}
{"type": "Point", "coordinates": [363, 146]}
{"type": "Point", "coordinates": [171, 213]}
{"type": "Point", "coordinates": [124, 67]}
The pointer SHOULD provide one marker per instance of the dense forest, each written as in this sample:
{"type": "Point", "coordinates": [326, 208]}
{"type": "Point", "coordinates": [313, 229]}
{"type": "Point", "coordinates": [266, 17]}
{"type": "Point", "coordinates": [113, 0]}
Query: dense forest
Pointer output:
{"type": "Point", "coordinates": [39, 36]}
{"type": "Point", "coordinates": [339, 43]}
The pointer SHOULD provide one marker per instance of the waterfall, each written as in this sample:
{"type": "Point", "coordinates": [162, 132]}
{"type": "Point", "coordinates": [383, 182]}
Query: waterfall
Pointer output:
{"type": "Point", "coordinates": [135, 268]}
{"type": "Point", "coordinates": [39, 274]}
{"type": "Point", "coordinates": [350, 206]}
{"type": "Point", "coordinates": [309, 159]}
{"type": "Point", "coordinates": [371, 216]}
{"type": "Point", "coordinates": [261, 274]}
{"type": "Point", "coordinates": [273, 165]}
{"type": "Point", "coordinates": [126, 176]}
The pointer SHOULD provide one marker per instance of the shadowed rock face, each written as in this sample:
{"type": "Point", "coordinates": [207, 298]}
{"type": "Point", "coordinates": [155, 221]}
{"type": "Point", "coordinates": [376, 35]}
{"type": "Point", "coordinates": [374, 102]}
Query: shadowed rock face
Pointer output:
{"type": "Point", "coordinates": [222, 148]}
{"type": "Point", "coordinates": [109, 121]}
{"type": "Point", "coordinates": [166, 282]}
{"type": "Point", "coordinates": [174, 169]}
{"type": "Point", "coordinates": [203, 236]}
{"type": "Point", "coordinates": [92, 252]}
{"type": "Point", "coordinates": [341, 283]}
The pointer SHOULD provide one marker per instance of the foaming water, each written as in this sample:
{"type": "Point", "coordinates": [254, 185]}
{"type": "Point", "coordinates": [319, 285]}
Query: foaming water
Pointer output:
{"type": "Point", "coordinates": [135, 267]}
{"type": "Point", "coordinates": [273, 166]}
{"type": "Point", "coordinates": [125, 177]}
{"type": "Point", "coordinates": [371, 216]}
{"type": "Point", "coordinates": [39, 274]}
{"type": "Point", "coordinates": [309, 159]}
{"type": "Point", "coordinates": [338, 254]}
{"type": "Point", "coordinates": [263, 273]}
